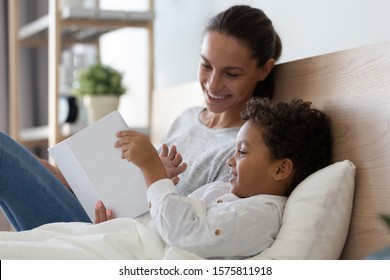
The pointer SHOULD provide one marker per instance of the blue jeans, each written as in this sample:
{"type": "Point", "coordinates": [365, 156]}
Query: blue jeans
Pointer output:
{"type": "Point", "coordinates": [30, 195]}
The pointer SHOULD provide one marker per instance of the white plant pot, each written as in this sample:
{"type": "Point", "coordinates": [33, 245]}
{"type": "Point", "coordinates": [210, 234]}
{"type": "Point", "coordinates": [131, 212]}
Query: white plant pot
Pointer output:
{"type": "Point", "coordinates": [98, 106]}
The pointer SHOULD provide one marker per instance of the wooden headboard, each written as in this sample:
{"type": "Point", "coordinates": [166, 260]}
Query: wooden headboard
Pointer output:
{"type": "Point", "coordinates": [353, 88]}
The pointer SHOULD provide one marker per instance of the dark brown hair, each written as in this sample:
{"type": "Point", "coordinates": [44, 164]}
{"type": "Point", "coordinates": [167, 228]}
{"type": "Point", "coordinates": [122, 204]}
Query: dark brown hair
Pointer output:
{"type": "Point", "coordinates": [253, 27]}
{"type": "Point", "coordinates": [295, 131]}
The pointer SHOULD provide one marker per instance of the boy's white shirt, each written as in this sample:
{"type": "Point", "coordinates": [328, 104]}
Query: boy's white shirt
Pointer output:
{"type": "Point", "coordinates": [214, 223]}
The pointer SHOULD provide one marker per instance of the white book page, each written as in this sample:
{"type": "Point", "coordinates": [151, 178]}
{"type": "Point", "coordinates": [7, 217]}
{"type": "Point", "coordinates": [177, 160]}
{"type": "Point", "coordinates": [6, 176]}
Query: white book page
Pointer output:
{"type": "Point", "coordinates": [118, 183]}
{"type": "Point", "coordinates": [79, 180]}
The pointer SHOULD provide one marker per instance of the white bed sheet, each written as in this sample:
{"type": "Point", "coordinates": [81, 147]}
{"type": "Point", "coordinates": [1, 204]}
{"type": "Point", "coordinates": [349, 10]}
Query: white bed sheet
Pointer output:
{"type": "Point", "coordinates": [121, 238]}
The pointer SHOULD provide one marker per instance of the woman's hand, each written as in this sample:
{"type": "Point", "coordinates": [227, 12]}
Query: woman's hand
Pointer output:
{"type": "Point", "coordinates": [137, 148]}
{"type": "Point", "coordinates": [102, 214]}
{"type": "Point", "coordinates": [173, 162]}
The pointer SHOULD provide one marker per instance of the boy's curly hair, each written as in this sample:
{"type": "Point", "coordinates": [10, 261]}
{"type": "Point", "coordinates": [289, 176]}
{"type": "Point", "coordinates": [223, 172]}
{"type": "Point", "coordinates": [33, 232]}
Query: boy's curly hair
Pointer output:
{"type": "Point", "coordinates": [293, 130]}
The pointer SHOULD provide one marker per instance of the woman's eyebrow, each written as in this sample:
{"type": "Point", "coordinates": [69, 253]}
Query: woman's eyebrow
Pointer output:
{"type": "Point", "coordinates": [204, 58]}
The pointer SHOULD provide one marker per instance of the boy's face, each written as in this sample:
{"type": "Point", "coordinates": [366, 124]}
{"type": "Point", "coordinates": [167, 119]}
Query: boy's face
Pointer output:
{"type": "Point", "coordinates": [252, 168]}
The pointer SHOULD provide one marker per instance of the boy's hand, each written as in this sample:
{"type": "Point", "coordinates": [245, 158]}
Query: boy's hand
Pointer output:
{"type": "Point", "coordinates": [137, 148]}
{"type": "Point", "coordinates": [173, 162]}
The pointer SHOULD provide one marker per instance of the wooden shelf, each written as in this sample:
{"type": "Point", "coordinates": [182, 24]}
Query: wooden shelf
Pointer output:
{"type": "Point", "coordinates": [59, 28]}
{"type": "Point", "coordinates": [83, 25]}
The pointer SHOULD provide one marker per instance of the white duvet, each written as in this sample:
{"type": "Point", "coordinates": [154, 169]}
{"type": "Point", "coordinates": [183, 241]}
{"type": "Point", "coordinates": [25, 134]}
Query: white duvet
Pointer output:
{"type": "Point", "coordinates": [120, 238]}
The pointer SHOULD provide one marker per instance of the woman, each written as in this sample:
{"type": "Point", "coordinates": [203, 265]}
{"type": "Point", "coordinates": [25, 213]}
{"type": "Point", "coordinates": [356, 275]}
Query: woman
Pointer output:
{"type": "Point", "coordinates": [239, 50]}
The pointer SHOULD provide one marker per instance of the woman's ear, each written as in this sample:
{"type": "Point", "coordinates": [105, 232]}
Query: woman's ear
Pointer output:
{"type": "Point", "coordinates": [266, 69]}
{"type": "Point", "coordinates": [284, 170]}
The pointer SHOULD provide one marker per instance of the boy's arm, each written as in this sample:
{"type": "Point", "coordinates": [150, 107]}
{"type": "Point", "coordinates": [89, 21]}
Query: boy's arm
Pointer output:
{"type": "Point", "coordinates": [217, 230]}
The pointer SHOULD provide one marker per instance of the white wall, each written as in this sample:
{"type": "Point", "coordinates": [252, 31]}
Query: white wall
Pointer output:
{"type": "Point", "coordinates": [307, 28]}
{"type": "Point", "coordinates": [127, 50]}
{"type": "Point", "coordinates": [314, 27]}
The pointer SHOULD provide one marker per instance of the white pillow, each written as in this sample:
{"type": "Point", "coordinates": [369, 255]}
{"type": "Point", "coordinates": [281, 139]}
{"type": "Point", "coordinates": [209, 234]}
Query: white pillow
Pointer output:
{"type": "Point", "coordinates": [316, 217]}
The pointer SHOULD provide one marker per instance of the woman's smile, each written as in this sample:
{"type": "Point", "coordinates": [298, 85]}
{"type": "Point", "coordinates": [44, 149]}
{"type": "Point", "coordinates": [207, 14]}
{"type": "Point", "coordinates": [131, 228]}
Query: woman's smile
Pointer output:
{"type": "Point", "coordinates": [218, 97]}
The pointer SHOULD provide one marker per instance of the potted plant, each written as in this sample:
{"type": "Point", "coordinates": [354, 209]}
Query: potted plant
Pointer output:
{"type": "Point", "coordinates": [100, 87]}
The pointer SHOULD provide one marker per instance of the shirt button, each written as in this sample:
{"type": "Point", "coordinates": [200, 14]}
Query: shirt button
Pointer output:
{"type": "Point", "coordinates": [219, 201]}
{"type": "Point", "coordinates": [150, 205]}
{"type": "Point", "coordinates": [217, 232]}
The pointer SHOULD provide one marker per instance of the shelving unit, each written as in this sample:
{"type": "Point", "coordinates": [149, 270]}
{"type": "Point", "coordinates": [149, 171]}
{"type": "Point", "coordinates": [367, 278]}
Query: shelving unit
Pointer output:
{"type": "Point", "coordinates": [59, 28]}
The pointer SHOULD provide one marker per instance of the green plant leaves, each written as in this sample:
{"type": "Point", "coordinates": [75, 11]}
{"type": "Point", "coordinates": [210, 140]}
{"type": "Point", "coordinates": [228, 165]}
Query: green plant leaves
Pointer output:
{"type": "Point", "coordinates": [99, 79]}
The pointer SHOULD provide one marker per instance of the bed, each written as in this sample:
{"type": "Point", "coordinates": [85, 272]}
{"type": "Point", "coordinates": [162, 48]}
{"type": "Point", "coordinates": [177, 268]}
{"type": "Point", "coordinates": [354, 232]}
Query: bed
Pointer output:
{"type": "Point", "coordinates": [334, 214]}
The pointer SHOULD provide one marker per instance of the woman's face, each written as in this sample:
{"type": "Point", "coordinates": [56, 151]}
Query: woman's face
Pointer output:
{"type": "Point", "coordinates": [227, 72]}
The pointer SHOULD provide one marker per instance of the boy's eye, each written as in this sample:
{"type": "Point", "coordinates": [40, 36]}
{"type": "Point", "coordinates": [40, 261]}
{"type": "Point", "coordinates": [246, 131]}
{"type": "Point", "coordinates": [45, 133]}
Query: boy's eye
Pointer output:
{"type": "Point", "coordinates": [241, 152]}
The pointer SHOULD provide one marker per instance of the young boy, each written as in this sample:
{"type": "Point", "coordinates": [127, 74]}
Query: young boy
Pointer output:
{"type": "Point", "coordinates": [279, 145]}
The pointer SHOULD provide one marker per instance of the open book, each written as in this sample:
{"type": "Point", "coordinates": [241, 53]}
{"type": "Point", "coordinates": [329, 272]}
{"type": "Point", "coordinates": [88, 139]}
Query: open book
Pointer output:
{"type": "Point", "coordinates": [95, 170]}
